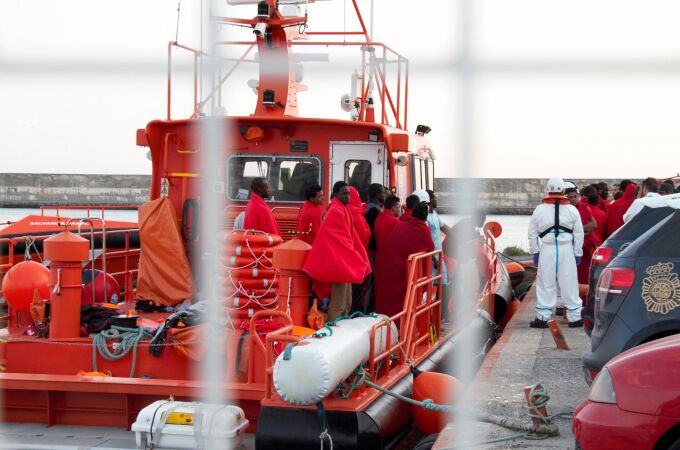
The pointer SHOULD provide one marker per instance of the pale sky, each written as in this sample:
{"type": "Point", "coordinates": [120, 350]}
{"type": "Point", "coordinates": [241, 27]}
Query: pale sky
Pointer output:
{"type": "Point", "coordinates": [578, 88]}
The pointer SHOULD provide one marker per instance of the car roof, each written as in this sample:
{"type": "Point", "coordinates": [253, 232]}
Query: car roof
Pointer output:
{"type": "Point", "coordinates": [671, 200]}
{"type": "Point", "coordinates": [662, 239]}
{"type": "Point", "coordinates": [645, 219]}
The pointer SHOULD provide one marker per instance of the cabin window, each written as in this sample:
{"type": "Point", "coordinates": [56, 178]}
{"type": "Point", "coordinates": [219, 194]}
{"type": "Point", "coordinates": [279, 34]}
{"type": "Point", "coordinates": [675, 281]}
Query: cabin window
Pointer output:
{"type": "Point", "coordinates": [358, 173]}
{"type": "Point", "coordinates": [288, 177]}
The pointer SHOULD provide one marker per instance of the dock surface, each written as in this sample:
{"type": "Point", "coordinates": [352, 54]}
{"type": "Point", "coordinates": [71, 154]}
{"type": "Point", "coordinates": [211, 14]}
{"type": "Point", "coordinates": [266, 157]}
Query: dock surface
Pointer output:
{"type": "Point", "coordinates": [524, 356]}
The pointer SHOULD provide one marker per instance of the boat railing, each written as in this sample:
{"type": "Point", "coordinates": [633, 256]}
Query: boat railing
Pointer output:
{"type": "Point", "coordinates": [419, 320]}
{"type": "Point", "coordinates": [127, 253]}
{"type": "Point", "coordinates": [89, 210]}
{"type": "Point", "coordinates": [381, 67]}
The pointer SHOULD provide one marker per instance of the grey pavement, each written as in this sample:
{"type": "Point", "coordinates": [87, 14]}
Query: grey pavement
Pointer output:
{"type": "Point", "coordinates": [522, 357]}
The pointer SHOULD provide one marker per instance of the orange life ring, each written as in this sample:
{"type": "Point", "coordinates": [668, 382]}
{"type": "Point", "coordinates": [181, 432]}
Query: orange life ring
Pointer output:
{"type": "Point", "coordinates": [245, 302]}
{"type": "Point", "coordinates": [256, 283]}
{"type": "Point", "coordinates": [254, 238]}
{"type": "Point", "coordinates": [243, 250]}
{"type": "Point", "coordinates": [242, 262]}
{"type": "Point", "coordinates": [250, 292]}
{"type": "Point", "coordinates": [252, 272]}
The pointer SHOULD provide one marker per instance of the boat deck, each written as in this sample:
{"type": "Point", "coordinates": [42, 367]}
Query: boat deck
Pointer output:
{"type": "Point", "coordinates": [64, 437]}
{"type": "Point", "coordinates": [521, 357]}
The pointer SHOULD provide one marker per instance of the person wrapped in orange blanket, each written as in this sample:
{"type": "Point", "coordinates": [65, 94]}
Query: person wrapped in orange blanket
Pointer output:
{"type": "Point", "coordinates": [338, 256]}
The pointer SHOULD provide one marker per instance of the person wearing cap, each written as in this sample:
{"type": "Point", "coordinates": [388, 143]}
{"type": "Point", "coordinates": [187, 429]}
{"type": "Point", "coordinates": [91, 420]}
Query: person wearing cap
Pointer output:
{"type": "Point", "coordinates": [556, 241]}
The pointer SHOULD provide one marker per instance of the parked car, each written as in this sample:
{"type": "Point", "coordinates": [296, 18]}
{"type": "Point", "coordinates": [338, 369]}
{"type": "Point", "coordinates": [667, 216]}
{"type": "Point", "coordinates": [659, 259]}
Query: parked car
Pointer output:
{"type": "Point", "coordinates": [637, 298]}
{"type": "Point", "coordinates": [634, 402]}
{"type": "Point", "coordinates": [654, 210]}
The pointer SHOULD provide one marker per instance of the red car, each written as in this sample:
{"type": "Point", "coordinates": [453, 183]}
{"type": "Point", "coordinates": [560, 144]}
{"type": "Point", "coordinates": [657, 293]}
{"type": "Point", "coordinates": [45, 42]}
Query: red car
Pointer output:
{"type": "Point", "coordinates": [634, 402]}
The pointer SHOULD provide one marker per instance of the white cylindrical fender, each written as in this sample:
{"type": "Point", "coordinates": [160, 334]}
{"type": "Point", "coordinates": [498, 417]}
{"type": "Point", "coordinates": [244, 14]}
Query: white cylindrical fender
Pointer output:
{"type": "Point", "coordinates": [317, 365]}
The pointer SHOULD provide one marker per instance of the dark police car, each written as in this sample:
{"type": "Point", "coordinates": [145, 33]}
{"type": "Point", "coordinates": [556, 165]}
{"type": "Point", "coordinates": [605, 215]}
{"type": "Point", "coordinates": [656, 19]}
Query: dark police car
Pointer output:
{"type": "Point", "coordinates": [637, 298]}
{"type": "Point", "coordinates": [655, 209]}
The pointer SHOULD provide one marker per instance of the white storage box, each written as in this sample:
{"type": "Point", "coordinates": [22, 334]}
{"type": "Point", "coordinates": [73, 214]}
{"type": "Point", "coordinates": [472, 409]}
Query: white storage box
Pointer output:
{"type": "Point", "coordinates": [167, 424]}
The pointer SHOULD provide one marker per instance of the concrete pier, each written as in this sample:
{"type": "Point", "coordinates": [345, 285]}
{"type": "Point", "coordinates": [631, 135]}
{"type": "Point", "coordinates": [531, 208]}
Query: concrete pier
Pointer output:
{"type": "Point", "coordinates": [524, 356]}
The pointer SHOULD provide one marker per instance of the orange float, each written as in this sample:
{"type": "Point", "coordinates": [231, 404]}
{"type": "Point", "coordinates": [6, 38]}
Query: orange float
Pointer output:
{"type": "Point", "coordinates": [442, 389]}
{"type": "Point", "coordinates": [22, 280]}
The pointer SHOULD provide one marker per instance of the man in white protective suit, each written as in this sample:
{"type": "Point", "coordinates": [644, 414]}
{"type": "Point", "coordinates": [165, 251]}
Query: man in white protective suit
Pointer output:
{"type": "Point", "coordinates": [556, 241]}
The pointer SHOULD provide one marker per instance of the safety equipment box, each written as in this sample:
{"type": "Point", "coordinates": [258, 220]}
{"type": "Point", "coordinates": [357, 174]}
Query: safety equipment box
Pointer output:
{"type": "Point", "coordinates": [168, 424]}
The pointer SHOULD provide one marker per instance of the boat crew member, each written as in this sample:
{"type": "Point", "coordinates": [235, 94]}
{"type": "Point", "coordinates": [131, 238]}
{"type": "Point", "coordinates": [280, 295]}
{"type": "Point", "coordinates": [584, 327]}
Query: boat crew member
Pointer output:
{"type": "Point", "coordinates": [556, 241]}
{"type": "Point", "coordinates": [391, 265]}
{"type": "Point", "coordinates": [376, 199]}
{"type": "Point", "coordinates": [648, 188]}
{"type": "Point", "coordinates": [258, 215]}
{"type": "Point", "coordinates": [386, 221]}
{"type": "Point", "coordinates": [338, 256]}
{"type": "Point", "coordinates": [309, 217]}
{"type": "Point", "coordinates": [666, 188]}
{"type": "Point", "coordinates": [437, 226]}
{"type": "Point", "coordinates": [590, 240]}
{"type": "Point", "coordinates": [411, 201]}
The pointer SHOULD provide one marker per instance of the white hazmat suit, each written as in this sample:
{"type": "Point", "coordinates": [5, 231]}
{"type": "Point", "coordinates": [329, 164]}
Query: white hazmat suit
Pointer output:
{"type": "Point", "coordinates": [558, 250]}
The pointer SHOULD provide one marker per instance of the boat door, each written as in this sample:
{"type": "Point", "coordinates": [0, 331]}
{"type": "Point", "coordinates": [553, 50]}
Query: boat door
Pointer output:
{"type": "Point", "coordinates": [358, 164]}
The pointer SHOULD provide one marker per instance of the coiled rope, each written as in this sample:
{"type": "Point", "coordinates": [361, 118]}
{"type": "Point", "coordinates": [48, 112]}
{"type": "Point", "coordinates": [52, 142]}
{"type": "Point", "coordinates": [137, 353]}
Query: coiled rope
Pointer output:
{"type": "Point", "coordinates": [129, 339]}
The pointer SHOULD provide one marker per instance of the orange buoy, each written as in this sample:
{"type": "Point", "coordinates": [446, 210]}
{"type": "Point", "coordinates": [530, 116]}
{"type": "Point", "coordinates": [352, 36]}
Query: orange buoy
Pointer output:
{"type": "Point", "coordinates": [441, 389]}
{"type": "Point", "coordinates": [20, 282]}
{"type": "Point", "coordinates": [513, 267]}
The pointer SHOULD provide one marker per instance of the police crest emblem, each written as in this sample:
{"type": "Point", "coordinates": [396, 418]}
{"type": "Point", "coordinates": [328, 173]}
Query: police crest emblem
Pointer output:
{"type": "Point", "coordinates": [661, 289]}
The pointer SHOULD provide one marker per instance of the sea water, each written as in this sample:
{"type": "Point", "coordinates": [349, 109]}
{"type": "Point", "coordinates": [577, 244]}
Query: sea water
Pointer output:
{"type": "Point", "coordinates": [514, 227]}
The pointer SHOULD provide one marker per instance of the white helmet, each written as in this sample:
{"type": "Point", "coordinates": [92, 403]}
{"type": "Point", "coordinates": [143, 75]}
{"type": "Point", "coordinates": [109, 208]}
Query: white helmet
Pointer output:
{"type": "Point", "coordinates": [422, 195]}
{"type": "Point", "coordinates": [555, 184]}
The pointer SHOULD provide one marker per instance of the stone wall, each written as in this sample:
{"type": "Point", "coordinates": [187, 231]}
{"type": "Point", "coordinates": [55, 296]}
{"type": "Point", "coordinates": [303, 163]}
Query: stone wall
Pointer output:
{"type": "Point", "coordinates": [499, 195]}
{"type": "Point", "coordinates": [496, 196]}
{"type": "Point", "coordinates": [20, 190]}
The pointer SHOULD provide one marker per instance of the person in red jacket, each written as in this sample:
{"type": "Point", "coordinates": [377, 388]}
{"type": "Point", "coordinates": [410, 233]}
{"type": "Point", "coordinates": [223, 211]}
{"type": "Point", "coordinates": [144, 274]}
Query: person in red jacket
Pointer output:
{"type": "Point", "coordinates": [391, 264]}
{"type": "Point", "coordinates": [590, 196]}
{"type": "Point", "coordinates": [309, 217]}
{"type": "Point", "coordinates": [411, 201]}
{"type": "Point", "coordinates": [360, 224]}
{"type": "Point", "coordinates": [619, 207]}
{"type": "Point", "coordinates": [386, 221]}
{"type": "Point", "coordinates": [590, 241]}
{"type": "Point", "coordinates": [258, 215]}
{"type": "Point", "coordinates": [338, 256]}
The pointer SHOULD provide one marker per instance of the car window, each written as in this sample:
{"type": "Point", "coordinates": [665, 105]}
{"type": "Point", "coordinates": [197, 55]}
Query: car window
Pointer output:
{"type": "Point", "coordinates": [662, 240]}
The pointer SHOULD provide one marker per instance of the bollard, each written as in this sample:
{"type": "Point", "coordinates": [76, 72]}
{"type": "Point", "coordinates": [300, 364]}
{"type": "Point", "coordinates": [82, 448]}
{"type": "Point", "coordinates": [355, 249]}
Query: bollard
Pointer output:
{"type": "Point", "coordinates": [66, 251]}
{"type": "Point", "coordinates": [557, 335]}
{"type": "Point", "coordinates": [288, 259]}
